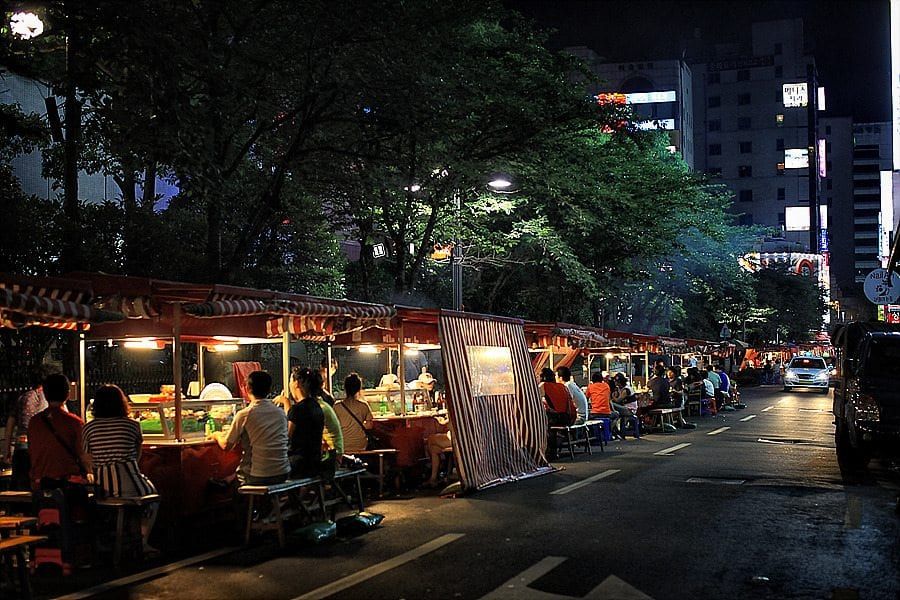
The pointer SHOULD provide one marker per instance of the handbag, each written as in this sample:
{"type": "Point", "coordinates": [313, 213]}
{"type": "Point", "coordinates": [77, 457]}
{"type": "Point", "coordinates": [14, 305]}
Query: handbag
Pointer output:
{"type": "Point", "coordinates": [373, 442]}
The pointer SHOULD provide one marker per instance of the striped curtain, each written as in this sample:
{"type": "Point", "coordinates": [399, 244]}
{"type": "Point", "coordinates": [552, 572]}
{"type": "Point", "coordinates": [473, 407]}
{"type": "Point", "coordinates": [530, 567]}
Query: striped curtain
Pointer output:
{"type": "Point", "coordinates": [498, 438]}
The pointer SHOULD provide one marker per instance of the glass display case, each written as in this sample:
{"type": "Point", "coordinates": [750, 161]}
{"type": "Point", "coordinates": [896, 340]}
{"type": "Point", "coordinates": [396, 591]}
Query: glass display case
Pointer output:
{"type": "Point", "coordinates": [198, 417]}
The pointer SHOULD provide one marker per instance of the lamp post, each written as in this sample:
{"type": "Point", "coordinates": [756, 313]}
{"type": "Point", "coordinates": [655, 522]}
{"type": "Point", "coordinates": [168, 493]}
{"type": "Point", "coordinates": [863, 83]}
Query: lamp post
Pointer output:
{"type": "Point", "coordinates": [499, 184]}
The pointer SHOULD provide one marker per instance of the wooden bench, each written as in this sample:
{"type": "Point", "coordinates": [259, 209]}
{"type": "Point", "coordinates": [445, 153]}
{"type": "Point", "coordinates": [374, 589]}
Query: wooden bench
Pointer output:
{"type": "Point", "coordinates": [662, 416]}
{"type": "Point", "coordinates": [279, 493]}
{"type": "Point", "coordinates": [342, 497]}
{"type": "Point", "coordinates": [16, 523]}
{"type": "Point", "coordinates": [24, 499]}
{"type": "Point", "coordinates": [571, 441]}
{"type": "Point", "coordinates": [17, 547]}
{"type": "Point", "coordinates": [380, 454]}
{"type": "Point", "coordinates": [121, 505]}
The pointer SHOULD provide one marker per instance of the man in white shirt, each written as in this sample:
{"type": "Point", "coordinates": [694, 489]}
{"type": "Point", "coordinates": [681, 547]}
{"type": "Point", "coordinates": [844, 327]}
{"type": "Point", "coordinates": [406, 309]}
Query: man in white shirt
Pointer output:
{"type": "Point", "coordinates": [261, 429]}
{"type": "Point", "coordinates": [564, 374]}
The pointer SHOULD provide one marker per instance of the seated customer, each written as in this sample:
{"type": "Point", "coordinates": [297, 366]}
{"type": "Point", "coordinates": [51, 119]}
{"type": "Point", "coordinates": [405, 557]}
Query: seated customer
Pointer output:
{"type": "Point", "coordinates": [309, 385]}
{"type": "Point", "coordinates": [598, 393]}
{"type": "Point", "coordinates": [306, 422]}
{"type": "Point", "coordinates": [261, 429]}
{"type": "Point", "coordinates": [55, 440]}
{"type": "Point", "coordinates": [354, 415]}
{"type": "Point", "coordinates": [581, 401]}
{"type": "Point", "coordinates": [436, 445]}
{"type": "Point", "coordinates": [660, 392]}
{"type": "Point", "coordinates": [114, 443]}
{"type": "Point", "coordinates": [560, 408]}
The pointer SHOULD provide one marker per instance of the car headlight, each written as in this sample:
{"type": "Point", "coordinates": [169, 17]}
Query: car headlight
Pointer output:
{"type": "Point", "coordinates": [790, 373]}
{"type": "Point", "coordinates": [823, 376]}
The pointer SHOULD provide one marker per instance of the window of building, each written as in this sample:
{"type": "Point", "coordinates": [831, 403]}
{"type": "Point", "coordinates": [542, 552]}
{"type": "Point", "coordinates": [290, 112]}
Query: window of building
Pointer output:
{"type": "Point", "coordinates": [781, 193]}
{"type": "Point", "coordinates": [779, 120]}
{"type": "Point", "coordinates": [779, 169]}
{"type": "Point", "coordinates": [779, 144]}
{"type": "Point", "coordinates": [743, 75]}
{"type": "Point", "coordinates": [715, 171]}
{"type": "Point", "coordinates": [715, 149]}
{"type": "Point", "coordinates": [621, 67]}
{"type": "Point", "coordinates": [828, 147]}
{"type": "Point", "coordinates": [745, 171]}
{"type": "Point", "coordinates": [714, 102]}
{"type": "Point", "coordinates": [744, 99]}
{"type": "Point", "coordinates": [712, 78]}
{"type": "Point", "coordinates": [827, 165]}
{"type": "Point", "coordinates": [743, 123]}
{"type": "Point", "coordinates": [745, 220]}
{"type": "Point", "coordinates": [746, 147]}
{"type": "Point", "coordinates": [828, 184]}
{"type": "Point", "coordinates": [779, 71]}
{"type": "Point", "coordinates": [828, 130]}
{"type": "Point", "coordinates": [778, 48]}
{"type": "Point", "coordinates": [715, 125]}
{"type": "Point", "coordinates": [781, 220]}
{"type": "Point", "coordinates": [745, 195]}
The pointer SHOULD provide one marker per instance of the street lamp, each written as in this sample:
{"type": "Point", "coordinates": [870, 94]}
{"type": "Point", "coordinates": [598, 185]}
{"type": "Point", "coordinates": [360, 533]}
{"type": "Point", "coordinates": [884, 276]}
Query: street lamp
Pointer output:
{"type": "Point", "coordinates": [499, 183]}
{"type": "Point", "coordinates": [26, 25]}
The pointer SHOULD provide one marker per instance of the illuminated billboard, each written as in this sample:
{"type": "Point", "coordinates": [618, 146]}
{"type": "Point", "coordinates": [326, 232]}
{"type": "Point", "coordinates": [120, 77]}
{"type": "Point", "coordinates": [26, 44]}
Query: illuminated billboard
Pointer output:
{"type": "Point", "coordinates": [795, 94]}
{"type": "Point", "coordinates": [886, 218]}
{"type": "Point", "coordinates": [820, 156]}
{"type": "Point", "coordinates": [650, 97]}
{"type": "Point", "coordinates": [491, 370]}
{"type": "Point", "coordinates": [895, 78]}
{"type": "Point", "coordinates": [796, 158]}
{"type": "Point", "coordinates": [667, 124]}
{"type": "Point", "coordinates": [796, 218]}
{"type": "Point", "coordinates": [821, 101]}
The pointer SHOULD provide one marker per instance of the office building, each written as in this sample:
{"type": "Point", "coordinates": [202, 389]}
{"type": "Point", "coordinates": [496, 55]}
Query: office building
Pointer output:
{"type": "Point", "coordinates": [660, 92]}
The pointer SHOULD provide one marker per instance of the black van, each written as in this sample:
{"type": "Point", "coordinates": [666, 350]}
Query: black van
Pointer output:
{"type": "Point", "coordinates": [867, 393]}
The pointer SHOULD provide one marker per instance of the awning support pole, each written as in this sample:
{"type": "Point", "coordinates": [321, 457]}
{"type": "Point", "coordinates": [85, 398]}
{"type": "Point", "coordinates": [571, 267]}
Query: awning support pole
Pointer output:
{"type": "Point", "coordinates": [401, 372]}
{"type": "Point", "coordinates": [82, 371]}
{"type": "Point", "coordinates": [328, 375]}
{"type": "Point", "coordinates": [201, 372]}
{"type": "Point", "coordinates": [285, 357]}
{"type": "Point", "coordinates": [176, 367]}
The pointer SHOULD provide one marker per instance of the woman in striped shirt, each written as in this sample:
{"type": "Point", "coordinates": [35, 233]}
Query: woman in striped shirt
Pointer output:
{"type": "Point", "coordinates": [114, 442]}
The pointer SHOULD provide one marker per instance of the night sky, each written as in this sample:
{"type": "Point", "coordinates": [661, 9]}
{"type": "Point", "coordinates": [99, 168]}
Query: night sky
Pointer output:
{"type": "Point", "coordinates": [849, 38]}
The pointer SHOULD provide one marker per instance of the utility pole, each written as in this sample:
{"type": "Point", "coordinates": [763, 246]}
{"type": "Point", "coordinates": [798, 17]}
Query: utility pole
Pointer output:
{"type": "Point", "coordinates": [812, 129]}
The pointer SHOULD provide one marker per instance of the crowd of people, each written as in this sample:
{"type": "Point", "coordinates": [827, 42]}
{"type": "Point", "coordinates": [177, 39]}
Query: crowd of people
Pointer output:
{"type": "Point", "coordinates": [611, 396]}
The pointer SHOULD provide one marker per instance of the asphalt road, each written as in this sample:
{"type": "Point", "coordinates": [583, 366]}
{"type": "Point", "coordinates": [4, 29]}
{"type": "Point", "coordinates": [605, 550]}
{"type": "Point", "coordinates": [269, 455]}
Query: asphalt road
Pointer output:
{"type": "Point", "coordinates": [751, 505]}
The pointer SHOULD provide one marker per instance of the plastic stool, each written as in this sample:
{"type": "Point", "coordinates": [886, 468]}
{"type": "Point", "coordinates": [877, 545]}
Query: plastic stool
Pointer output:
{"type": "Point", "coordinates": [606, 431]}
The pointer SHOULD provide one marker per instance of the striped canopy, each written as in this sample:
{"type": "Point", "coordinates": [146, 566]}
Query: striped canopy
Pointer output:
{"type": "Point", "coordinates": [44, 310]}
{"type": "Point", "coordinates": [227, 308]}
{"type": "Point", "coordinates": [499, 432]}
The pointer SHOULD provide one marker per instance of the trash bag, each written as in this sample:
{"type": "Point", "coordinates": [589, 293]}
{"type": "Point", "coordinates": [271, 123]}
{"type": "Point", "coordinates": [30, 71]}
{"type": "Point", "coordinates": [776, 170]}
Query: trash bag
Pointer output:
{"type": "Point", "coordinates": [316, 533]}
{"type": "Point", "coordinates": [358, 523]}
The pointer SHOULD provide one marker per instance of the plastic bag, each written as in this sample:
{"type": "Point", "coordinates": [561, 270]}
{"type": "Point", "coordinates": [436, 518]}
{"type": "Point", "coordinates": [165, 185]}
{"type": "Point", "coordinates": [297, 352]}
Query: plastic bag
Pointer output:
{"type": "Point", "coordinates": [316, 533]}
{"type": "Point", "coordinates": [358, 523]}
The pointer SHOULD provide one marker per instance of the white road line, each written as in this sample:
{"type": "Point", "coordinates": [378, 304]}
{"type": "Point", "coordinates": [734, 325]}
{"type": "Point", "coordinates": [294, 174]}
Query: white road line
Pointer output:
{"type": "Point", "coordinates": [143, 575]}
{"type": "Point", "coordinates": [718, 431]}
{"type": "Point", "coordinates": [782, 401]}
{"type": "Point", "coordinates": [669, 451]}
{"type": "Point", "coordinates": [768, 408]}
{"type": "Point", "coordinates": [748, 418]}
{"type": "Point", "coordinates": [584, 482]}
{"type": "Point", "coordinates": [382, 567]}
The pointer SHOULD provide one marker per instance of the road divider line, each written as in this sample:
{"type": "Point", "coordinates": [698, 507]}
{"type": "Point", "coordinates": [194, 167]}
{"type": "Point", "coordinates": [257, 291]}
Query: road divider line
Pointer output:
{"type": "Point", "coordinates": [584, 482]}
{"type": "Point", "coordinates": [782, 401]}
{"type": "Point", "coordinates": [718, 431]}
{"type": "Point", "coordinates": [144, 575]}
{"type": "Point", "coordinates": [669, 451]}
{"type": "Point", "coordinates": [748, 418]}
{"type": "Point", "coordinates": [768, 408]}
{"type": "Point", "coordinates": [383, 567]}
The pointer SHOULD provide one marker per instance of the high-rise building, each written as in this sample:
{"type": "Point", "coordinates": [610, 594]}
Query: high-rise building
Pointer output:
{"type": "Point", "coordinates": [660, 92]}
{"type": "Point", "coordinates": [755, 127]}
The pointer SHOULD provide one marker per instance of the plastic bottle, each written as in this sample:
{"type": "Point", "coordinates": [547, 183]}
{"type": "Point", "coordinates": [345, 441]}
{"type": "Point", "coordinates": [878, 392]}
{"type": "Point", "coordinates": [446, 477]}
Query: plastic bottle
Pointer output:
{"type": "Point", "coordinates": [210, 425]}
{"type": "Point", "coordinates": [383, 406]}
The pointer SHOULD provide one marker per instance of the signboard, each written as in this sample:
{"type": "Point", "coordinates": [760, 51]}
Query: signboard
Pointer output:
{"type": "Point", "coordinates": [892, 313]}
{"type": "Point", "coordinates": [820, 156]}
{"type": "Point", "coordinates": [824, 241]}
{"type": "Point", "coordinates": [895, 79]}
{"type": "Point", "coordinates": [611, 98]}
{"type": "Point", "coordinates": [795, 94]}
{"type": "Point", "coordinates": [650, 97]}
{"type": "Point", "coordinates": [821, 99]}
{"type": "Point", "coordinates": [796, 158]}
{"type": "Point", "coordinates": [878, 290]}
{"type": "Point", "coordinates": [796, 218]}
{"type": "Point", "coordinates": [491, 370]}
{"type": "Point", "coordinates": [667, 124]}
{"type": "Point", "coordinates": [741, 63]}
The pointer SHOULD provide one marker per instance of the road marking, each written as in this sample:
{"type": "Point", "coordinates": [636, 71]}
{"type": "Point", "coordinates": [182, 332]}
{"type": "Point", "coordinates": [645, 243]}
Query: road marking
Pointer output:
{"type": "Point", "coordinates": [748, 418]}
{"type": "Point", "coordinates": [517, 587]}
{"type": "Point", "coordinates": [782, 401]}
{"type": "Point", "coordinates": [382, 567]}
{"type": "Point", "coordinates": [768, 408]}
{"type": "Point", "coordinates": [584, 482]}
{"type": "Point", "coordinates": [718, 431]}
{"type": "Point", "coordinates": [143, 575]}
{"type": "Point", "coordinates": [669, 451]}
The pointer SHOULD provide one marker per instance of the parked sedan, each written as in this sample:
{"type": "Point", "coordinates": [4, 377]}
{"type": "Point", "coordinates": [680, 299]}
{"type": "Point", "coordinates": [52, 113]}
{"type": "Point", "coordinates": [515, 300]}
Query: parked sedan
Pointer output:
{"type": "Point", "coordinates": [807, 372]}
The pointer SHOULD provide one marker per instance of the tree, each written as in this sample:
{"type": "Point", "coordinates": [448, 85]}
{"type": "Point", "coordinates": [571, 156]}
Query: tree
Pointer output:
{"type": "Point", "coordinates": [796, 302]}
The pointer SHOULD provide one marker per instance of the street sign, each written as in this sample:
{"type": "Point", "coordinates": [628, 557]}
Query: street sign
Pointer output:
{"type": "Point", "coordinates": [879, 290]}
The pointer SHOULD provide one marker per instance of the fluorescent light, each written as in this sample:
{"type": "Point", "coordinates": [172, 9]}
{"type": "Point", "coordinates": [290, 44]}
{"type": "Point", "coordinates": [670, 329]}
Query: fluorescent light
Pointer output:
{"type": "Point", "coordinates": [500, 183]}
{"type": "Point", "coordinates": [368, 349]}
{"type": "Point", "coordinates": [26, 25]}
{"type": "Point", "coordinates": [144, 344]}
{"type": "Point", "coordinates": [224, 348]}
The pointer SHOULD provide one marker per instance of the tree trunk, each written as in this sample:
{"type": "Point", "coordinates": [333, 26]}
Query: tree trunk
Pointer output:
{"type": "Point", "coordinates": [72, 256]}
{"type": "Point", "coordinates": [148, 199]}
{"type": "Point", "coordinates": [213, 237]}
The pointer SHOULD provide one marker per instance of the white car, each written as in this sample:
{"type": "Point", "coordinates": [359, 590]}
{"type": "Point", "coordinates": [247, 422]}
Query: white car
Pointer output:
{"type": "Point", "coordinates": [808, 372]}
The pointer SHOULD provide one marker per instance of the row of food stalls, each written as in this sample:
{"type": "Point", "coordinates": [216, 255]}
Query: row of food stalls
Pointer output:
{"type": "Point", "coordinates": [186, 341]}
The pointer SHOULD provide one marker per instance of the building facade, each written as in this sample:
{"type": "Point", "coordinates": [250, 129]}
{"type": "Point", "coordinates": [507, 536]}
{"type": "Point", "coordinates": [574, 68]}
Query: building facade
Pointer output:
{"type": "Point", "coordinates": [660, 92]}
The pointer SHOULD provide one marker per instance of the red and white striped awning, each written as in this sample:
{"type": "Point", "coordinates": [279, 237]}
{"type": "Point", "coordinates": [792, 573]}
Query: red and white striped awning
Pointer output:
{"type": "Point", "coordinates": [311, 328]}
{"type": "Point", "coordinates": [52, 309]}
{"type": "Point", "coordinates": [581, 338]}
{"type": "Point", "coordinates": [227, 308]}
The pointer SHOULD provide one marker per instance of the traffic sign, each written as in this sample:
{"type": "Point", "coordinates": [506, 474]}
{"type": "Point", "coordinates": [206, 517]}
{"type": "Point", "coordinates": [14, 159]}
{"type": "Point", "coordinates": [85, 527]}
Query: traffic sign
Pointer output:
{"type": "Point", "coordinates": [879, 290]}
